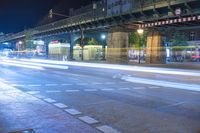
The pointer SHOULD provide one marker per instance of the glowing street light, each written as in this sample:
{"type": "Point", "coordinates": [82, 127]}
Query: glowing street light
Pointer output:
{"type": "Point", "coordinates": [103, 36]}
{"type": "Point", "coordinates": [20, 42]}
{"type": "Point", "coordinates": [140, 31]}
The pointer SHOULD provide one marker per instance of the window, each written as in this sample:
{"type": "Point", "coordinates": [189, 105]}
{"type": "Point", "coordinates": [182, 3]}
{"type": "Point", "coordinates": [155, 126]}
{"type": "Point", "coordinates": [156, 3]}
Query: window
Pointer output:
{"type": "Point", "coordinates": [192, 36]}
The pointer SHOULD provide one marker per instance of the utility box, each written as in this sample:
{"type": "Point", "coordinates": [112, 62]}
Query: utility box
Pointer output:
{"type": "Point", "coordinates": [59, 51]}
{"type": "Point", "coordinates": [92, 52]}
{"type": "Point", "coordinates": [77, 53]}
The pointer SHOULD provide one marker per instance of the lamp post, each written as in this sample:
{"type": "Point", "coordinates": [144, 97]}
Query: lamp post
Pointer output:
{"type": "Point", "coordinates": [103, 37]}
{"type": "Point", "coordinates": [140, 33]}
{"type": "Point", "coordinates": [19, 45]}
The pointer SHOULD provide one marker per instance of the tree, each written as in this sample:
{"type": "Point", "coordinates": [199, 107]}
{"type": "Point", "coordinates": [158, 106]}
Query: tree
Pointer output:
{"type": "Point", "coordinates": [138, 41]}
{"type": "Point", "coordinates": [28, 43]}
{"type": "Point", "coordinates": [92, 41]}
{"type": "Point", "coordinates": [178, 42]}
{"type": "Point", "coordinates": [178, 39]}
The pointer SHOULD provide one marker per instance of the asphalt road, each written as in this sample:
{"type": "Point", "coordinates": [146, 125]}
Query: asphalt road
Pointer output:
{"type": "Point", "coordinates": [101, 93]}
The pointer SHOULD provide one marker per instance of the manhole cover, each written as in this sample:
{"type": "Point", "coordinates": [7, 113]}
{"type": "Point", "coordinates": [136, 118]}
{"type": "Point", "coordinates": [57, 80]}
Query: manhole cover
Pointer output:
{"type": "Point", "coordinates": [24, 131]}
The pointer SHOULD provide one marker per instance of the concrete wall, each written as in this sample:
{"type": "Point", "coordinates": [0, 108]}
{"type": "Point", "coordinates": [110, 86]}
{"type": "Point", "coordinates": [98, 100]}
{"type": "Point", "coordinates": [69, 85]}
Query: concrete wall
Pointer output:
{"type": "Point", "coordinates": [155, 51]}
{"type": "Point", "coordinates": [117, 46]}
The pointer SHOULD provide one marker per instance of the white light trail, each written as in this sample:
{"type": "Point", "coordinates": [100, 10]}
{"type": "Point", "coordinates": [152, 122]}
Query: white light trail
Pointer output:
{"type": "Point", "coordinates": [193, 87]}
{"type": "Point", "coordinates": [21, 65]}
{"type": "Point", "coordinates": [167, 71]}
{"type": "Point", "coordinates": [36, 64]}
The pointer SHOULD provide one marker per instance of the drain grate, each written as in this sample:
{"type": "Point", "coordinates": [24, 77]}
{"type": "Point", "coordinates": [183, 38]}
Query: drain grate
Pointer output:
{"type": "Point", "coordinates": [24, 131]}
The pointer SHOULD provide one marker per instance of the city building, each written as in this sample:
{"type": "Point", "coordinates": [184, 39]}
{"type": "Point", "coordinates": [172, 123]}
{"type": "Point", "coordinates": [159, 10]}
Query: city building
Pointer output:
{"type": "Point", "coordinates": [116, 7]}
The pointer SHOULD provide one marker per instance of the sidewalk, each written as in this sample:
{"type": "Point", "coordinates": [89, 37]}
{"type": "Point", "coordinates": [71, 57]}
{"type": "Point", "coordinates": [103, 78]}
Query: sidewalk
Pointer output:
{"type": "Point", "coordinates": [19, 111]}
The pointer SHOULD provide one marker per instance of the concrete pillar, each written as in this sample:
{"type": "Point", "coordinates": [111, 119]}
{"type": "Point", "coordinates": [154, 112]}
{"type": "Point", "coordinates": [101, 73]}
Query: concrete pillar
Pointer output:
{"type": "Point", "coordinates": [71, 40]}
{"type": "Point", "coordinates": [155, 52]}
{"type": "Point", "coordinates": [117, 42]}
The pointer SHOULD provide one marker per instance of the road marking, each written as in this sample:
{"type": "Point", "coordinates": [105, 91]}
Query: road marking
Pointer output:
{"type": "Point", "coordinates": [34, 85]}
{"type": "Point", "coordinates": [123, 82]}
{"type": "Point", "coordinates": [139, 88]}
{"type": "Point", "coordinates": [154, 87]}
{"type": "Point", "coordinates": [107, 89]}
{"type": "Point", "coordinates": [96, 83]}
{"type": "Point", "coordinates": [17, 85]}
{"type": "Point", "coordinates": [107, 129]}
{"type": "Point", "coordinates": [49, 100]}
{"type": "Point", "coordinates": [172, 105]}
{"type": "Point", "coordinates": [66, 84]}
{"type": "Point", "coordinates": [88, 119]}
{"type": "Point", "coordinates": [53, 91]}
{"type": "Point", "coordinates": [51, 84]}
{"type": "Point", "coordinates": [60, 105]}
{"type": "Point", "coordinates": [72, 90]}
{"type": "Point", "coordinates": [33, 92]}
{"type": "Point", "coordinates": [124, 89]}
{"type": "Point", "coordinates": [110, 83]}
{"type": "Point", "coordinates": [39, 96]}
{"type": "Point", "coordinates": [82, 84]}
{"type": "Point", "coordinates": [90, 90]}
{"type": "Point", "coordinates": [73, 111]}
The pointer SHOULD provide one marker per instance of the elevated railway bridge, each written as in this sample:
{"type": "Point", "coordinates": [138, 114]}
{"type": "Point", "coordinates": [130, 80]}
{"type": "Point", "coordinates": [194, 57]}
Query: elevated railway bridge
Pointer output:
{"type": "Point", "coordinates": [158, 17]}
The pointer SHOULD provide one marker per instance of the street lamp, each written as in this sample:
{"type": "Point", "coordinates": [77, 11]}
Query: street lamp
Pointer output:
{"type": "Point", "coordinates": [140, 32]}
{"type": "Point", "coordinates": [103, 37]}
{"type": "Point", "coordinates": [20, 42]}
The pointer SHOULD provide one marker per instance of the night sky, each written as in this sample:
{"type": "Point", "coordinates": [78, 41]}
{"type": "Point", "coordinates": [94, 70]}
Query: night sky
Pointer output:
{"type": "Point", "coordinates": [17, 15]}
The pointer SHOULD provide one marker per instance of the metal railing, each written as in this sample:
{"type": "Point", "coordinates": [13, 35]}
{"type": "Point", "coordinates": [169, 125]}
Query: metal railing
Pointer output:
{"type": "Point", "coordinates": [92, 16]}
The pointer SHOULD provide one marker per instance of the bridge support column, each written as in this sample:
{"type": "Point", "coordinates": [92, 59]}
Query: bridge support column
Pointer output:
{"type": "Point", "coordinates": [155, 52]}
{"type": "Point", "coordinates": [117, 46]}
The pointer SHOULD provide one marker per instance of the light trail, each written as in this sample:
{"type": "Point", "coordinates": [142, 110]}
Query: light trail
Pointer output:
{"type": "Point", "coordinates": [22, 65]}
{"type": "Point", "coordinates": [193, 87]}
{"type": "Point", "coordinates": [167, 71]}
{"type": "Point", "coordinates": [36, 64]}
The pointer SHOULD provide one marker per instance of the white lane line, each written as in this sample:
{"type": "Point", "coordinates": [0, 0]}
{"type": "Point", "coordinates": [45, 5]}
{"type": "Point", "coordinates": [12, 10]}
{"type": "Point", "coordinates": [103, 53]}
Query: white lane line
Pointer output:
{"type": "Point", "coordinates": [60, 105]}
{"type": "Point", "coordinates": [138, 88]}
{"type": "Point", "coordinates": [88, 120]}
{"type": "Point", "coordinates": [39, 96]}
{"type": "Point", "coordinates": [96, 83]}
{"type": "Point", "coordinates": [123, 82]}
{"type": "Point", "coordinates": [110, 83]}
{"type": "Point", "coordinates": [53, 91]}
{"type": "Point", "coordinates": [107, 89]}
{"type": "Point", "coordinates": [73, 111]}
{"type": "Point", "coordinates": [33, 92]}
{"type": "Point", "coordinates": [184, 86]}
{"type": "Point", "coordinates": [51, 84]}
{"type": "Point", "coordinates": [107, 129]}
{"type": "Point", "coordinates": [17, 85]}
{"type": "Point", "coordinates": [90, 90]}
{"type": "Point", "coordinates": [154, 87]}
{"type": "Point", "coordinates": [72, 90]}
{"type": "Point", "coordinates": [82, 84]}
{"type": "Point", "coordinates": [49, 100]}
{"type": "Point", "coordinates": [66, 84]}
{"type": "Point", "coordinates": [172, 105]}
{"type": "Point", "coordinates": [121, 89]}
{"type": "Point", "coordinates": [34, 85]}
